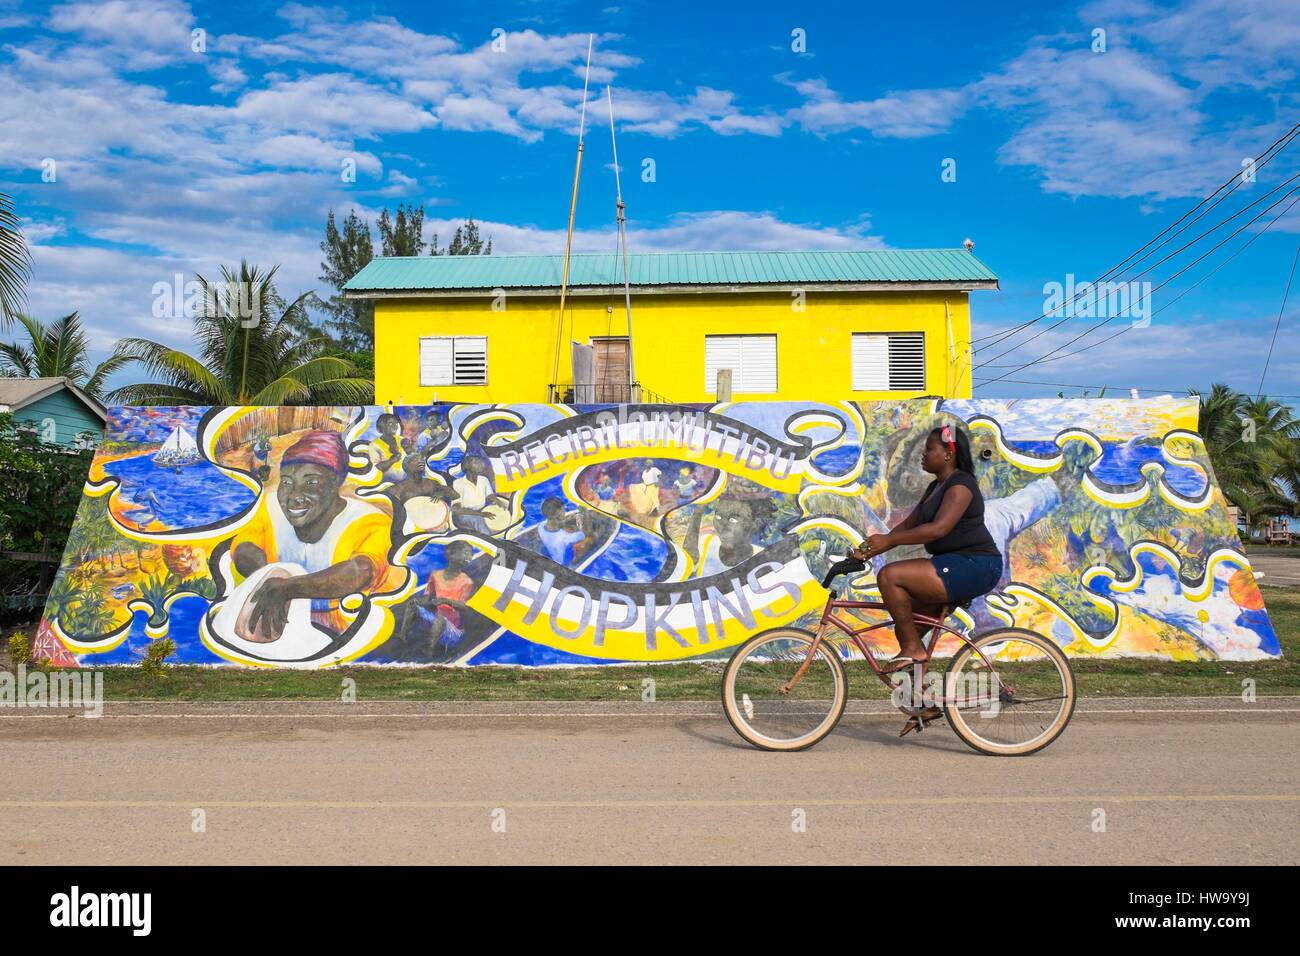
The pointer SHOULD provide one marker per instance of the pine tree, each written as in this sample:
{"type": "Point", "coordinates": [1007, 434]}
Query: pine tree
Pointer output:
{"type": "Point", "coordinates": [467, 242]}
{"type": "Point", "coordinates": [400, 235]}
{"type": "Point", "coordinates": [352, 321]}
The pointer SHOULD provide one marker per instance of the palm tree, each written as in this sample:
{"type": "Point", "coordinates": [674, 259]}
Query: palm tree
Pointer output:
{"type": "Point", "coordinates": [1286, 470]}
{"type": "Point", "coordinates": [15, 262]}
{"type": "Point", "coordinates": [1254, 445]}
{"type": "Point", "coordinates": [58, 350]}
{"type": "Point", "coordinates": [261, 352]}
{"type": "Point", "coordinates": [1222, 429]}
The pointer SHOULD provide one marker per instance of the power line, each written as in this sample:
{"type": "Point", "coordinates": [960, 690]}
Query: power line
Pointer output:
{"type": "Point", "coordinates": [1191, 288]}
{"type": "Point", "coordinates": [1260, 161]}
{"type": "Point", "coordinates": [1048, 356]}
{"type": "Point", "coordinates": [1278, 323]}
{"type": "Point", "coordinates": [1143, 388]}
{"type": "Point", "coordinates": [1120, 388]}
{"type": "Point", "coordinates": [1185, 246]}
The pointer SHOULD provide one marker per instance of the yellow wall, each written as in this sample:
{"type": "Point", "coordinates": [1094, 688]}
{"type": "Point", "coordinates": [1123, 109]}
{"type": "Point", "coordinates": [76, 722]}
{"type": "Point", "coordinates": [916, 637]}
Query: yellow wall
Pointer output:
{"type": "Point", "coordinates": [812, 346]}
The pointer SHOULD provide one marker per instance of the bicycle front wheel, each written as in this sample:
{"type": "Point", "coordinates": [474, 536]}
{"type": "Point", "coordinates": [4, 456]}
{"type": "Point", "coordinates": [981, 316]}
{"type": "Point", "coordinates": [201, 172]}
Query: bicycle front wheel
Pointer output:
{"type": "Point", "coordinates": [773, 706]}
{"type": "Point", "coordinates": [1013, 697]}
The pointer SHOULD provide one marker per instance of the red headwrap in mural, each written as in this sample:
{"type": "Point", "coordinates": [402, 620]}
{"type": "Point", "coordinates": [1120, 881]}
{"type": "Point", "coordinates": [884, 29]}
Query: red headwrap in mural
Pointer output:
{"type": "Point", "coordinates": [319, 448]}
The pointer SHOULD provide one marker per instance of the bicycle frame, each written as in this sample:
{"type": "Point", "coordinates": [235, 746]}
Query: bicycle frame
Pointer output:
{"type": "Point", "coordinates": [928, 624]}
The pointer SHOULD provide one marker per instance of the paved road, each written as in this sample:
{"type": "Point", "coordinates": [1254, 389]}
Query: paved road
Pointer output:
{"type": "Point", "coordinates": [1179, 782]}
{"type": "Point", "coordinates": [1275, 567]}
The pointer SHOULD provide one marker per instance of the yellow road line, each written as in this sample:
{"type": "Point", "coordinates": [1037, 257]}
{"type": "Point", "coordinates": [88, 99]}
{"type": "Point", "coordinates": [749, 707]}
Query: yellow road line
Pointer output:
{"type": "Point", "coordinates": [1098, 799]}
{"type": "Point", "coordinates": [33, 713]}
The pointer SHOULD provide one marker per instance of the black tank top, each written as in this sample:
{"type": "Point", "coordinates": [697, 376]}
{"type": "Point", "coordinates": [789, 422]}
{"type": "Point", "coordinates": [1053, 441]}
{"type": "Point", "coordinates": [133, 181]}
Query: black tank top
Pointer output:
{"type": "Point", "coordinates": [968, 535]}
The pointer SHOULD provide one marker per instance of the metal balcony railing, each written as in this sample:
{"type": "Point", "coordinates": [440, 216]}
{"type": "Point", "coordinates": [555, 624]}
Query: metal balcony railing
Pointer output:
{"type": "Point", "coordinates": [603, 393]}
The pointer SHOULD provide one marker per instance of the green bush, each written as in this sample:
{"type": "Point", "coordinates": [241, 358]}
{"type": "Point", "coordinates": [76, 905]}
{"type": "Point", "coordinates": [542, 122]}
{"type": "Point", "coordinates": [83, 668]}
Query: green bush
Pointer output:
{"type": "Point", "coordinates": [154, 661]}
{"type": "Point", "coordinates": [19, 648]}
{"type": "Point", "coordinates": [38, 500]}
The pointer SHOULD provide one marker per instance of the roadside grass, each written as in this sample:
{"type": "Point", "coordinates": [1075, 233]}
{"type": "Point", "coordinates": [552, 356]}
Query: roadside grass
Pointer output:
{"type": "Point", "coordinates": [1124, 677]}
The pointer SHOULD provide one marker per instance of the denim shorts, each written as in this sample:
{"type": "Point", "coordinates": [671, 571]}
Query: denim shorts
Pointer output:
{"type": "Point", "coordinates": [967, 576]}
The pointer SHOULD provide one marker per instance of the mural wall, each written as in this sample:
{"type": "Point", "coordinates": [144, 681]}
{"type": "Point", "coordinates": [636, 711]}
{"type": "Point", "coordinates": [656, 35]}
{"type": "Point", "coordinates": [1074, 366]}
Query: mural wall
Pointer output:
{"type": "Point", "coordinates": [551, 534]}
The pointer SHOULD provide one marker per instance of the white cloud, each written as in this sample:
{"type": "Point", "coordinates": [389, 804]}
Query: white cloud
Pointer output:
{"type": "Point", "coordinates": [40, 231]}
{"type": "Point", "coordinates": [228, 76]}
{"type": "Point", "coordinates": [757, 231]}
{"type": "Point", "coordinates": [1132, 121]}
{"type": "Point", "coordinates": [476, 114]}
{"type": "Point", "coordinates": [1251, 43]}
{"type": "Point", "coordinates": [510, 87]}
{"type": "Point", "coordinates": [900, 115]}
{"type": "Point", "coordinates": [193, 185]}
{"type": "Point", "coordinates": [113, 288]}
{"type": "Point", "coordinates": [1166, 355]}
{"type": "Point", "coordinates": [332, 101]}
{"type": "Point", "coordinates": [686, 232]}
{"type": "Point", "coordinates": [1135, 120]}
{"type": "Point", "coordinates": [145, 34]}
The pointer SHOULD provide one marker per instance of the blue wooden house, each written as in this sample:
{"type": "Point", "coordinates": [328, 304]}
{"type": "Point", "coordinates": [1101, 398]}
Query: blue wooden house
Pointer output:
{"type": "Point", "coordinates": [58, 411]}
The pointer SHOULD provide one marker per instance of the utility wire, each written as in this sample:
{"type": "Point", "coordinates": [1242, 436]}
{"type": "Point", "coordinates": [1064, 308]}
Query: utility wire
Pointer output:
{"type": "Point", "coordinates": [1184, 247]}
{"type": "Point", "coordinates": [1278, 323]}
{"type": "Point", "coordinates": [1262, 160]}
{"type": "Point", "coordinates": [1109, 385]}
{"type": "Point", "coordinates": [1238, 251]}
{"type": "Point", "coordinates": [1048, 356]}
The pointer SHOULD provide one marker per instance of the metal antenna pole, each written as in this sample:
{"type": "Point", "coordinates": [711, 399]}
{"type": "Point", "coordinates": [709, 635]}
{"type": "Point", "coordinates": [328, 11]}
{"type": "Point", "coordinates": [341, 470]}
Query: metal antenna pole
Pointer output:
{"type": "Point", "coordinates": [573, 205]}
{"type": "Point", "coordinates": [621, 219]}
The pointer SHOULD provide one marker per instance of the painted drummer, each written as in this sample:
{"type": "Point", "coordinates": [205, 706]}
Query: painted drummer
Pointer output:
{"type": "Point", "coordinates": [341, 543]}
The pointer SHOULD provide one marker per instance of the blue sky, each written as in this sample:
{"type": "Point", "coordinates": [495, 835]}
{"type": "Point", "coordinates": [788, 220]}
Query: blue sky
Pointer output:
{"type": "Point", "coordinates": [173, 161]}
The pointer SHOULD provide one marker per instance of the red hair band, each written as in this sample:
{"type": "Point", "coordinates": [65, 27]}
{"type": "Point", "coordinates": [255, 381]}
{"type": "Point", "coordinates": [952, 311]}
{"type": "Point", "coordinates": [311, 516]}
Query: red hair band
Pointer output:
{"type": "Point", "coordinates": [948, 440]}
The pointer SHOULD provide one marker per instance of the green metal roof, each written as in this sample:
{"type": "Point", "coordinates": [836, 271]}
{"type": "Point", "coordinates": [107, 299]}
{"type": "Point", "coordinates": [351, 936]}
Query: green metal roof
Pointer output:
{"type": "Point", "coordinates": [445, 275]}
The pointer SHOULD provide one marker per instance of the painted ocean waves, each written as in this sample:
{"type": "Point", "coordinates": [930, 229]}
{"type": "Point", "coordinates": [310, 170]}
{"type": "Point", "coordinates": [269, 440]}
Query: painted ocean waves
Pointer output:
{"type": "Point", "coordinates": [547, 534]}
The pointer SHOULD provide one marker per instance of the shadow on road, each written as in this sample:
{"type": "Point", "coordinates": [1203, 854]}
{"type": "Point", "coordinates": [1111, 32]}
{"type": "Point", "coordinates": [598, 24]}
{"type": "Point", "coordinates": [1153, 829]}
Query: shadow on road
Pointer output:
{"type": "Point", "coordinates": [936, 737]}
{"type": "Point", "coordinates": [718, 732]}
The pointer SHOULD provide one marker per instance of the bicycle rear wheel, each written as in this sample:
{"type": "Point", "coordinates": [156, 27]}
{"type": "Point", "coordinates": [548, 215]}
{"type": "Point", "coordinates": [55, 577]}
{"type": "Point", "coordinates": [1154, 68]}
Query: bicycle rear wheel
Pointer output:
{"type": "Point", "coordinates": [1019, 704]}
{"type": "Point", "coordinates": [761, 712]}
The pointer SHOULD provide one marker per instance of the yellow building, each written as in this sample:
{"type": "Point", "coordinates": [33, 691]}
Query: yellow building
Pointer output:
{"type": "Point", "coordinates": [812, 325]}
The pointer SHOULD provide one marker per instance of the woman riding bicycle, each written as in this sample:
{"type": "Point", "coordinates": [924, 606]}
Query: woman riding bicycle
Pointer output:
{"type": "Point", "coordinates": [949, 520]}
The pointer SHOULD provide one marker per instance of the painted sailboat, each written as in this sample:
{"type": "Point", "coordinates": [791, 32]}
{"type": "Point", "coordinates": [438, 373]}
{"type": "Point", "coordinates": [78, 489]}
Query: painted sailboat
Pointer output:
{"type": "Point", "coordinates": [179, 449]}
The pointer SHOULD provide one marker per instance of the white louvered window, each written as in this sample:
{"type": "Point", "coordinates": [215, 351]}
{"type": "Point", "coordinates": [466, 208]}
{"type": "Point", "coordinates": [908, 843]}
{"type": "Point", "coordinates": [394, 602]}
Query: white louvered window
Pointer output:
{"type": "Point", "coordinates": [888, 361]}
{"type": "Point", "coordinates": [453, 360]}
{"type": "Point", "coordinates": [751, 358]}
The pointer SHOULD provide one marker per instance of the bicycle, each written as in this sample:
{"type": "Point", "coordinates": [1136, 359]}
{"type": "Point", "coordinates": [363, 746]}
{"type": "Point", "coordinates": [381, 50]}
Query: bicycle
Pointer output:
{"type": "Point", "coordinates": [786, 688]}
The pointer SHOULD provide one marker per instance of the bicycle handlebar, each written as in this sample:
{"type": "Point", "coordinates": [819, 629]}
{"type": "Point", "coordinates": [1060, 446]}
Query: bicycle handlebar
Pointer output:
{"type": "Point", "coordinates": [847, 566]}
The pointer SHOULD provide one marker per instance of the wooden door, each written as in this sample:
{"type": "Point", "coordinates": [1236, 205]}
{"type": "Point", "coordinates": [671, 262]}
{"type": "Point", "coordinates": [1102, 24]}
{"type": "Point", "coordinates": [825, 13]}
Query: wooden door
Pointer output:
{"type": "Point", "coordinates": [611, 369]}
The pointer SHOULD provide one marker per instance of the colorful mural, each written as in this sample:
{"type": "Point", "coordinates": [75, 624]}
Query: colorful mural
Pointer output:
{"type": "Point", "coordinates": [551, 534]}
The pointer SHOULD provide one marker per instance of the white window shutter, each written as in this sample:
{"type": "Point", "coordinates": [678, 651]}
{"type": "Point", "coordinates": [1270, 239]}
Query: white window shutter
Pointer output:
{"type": "Point", "coordinates": [758, 363]}
{"type": "Point", "coordinates": [888, 361]}
{"type": "Point", "coordinates": [752, 359]}
{"type": "Point", "coordinates": [453, 360]}
{"type": "Point", "coordinates": [435, 361]}
{"type": "Point", "coordinates": [470, 357]}
{"type": "Point", "coordinates": [907, 361]}
{"type": "Point", "coordinates": [870, 358]}
{"type": "Point", "coordinates": [721, 351]}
